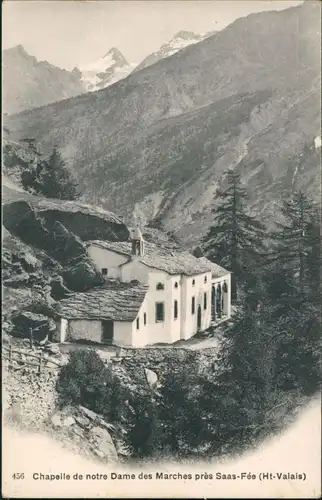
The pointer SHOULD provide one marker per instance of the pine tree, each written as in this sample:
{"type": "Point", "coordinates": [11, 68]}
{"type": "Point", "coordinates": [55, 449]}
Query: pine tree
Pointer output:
{"type": "Point", "coordinates": [245, 375]}
{"type": "Point", "coordinates": [297, 242]}
{"type": "Point", "coordinates": [235, 240]}
{"type": "Point", "coordinates": [298, 363]}
{"type": "Point", "coordinates": [295, 297]}
{"type": "Point", "coordinates": [55, 178]}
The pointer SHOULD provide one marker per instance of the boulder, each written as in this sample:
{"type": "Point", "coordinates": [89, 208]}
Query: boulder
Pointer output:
{"type": "Point", "coordinates": [58, 289]}
{"type": "Point", "coordinates": [56, 420]}
{"type": "Point", "coordinates": [151, 378]}
{"type": "Point", "coordinates": [122, 448]}
{"type": "Point", "coordinates": [53, 349]}
{"type": "Point", "coordinates": [82, 276]}
{"type": "Point", "coordinates": [21, 220]}
{"type": "Point", "coordinates": [39, 305]}
{"type": "Point", "coordinates": [103, 442]}
{"type": "Point", "coordinates": [68, 421]}
{"type": "Point", "coordinates": [16, 267]}
{"type": "Point", "coordinates": [83, 422]}
{"type": "Point", "coordinates": [78, 431]}
{"type": "Point", "coordinates": [28, 261]}
{"type": "Point", "coordinates": [39, 324]}
{"type": "Point", "coordinates": [66, 245]}
{"type": "Point", "coordinates": [106, 425]}
{"type": "Point", "coordinates": [88, 413]}
{"type": "Point", "coordinates": [49, 235]}
{"type": "Point", "coordinates": [98, 452]}
{"type": "Point", "coordinates": [85, 221]}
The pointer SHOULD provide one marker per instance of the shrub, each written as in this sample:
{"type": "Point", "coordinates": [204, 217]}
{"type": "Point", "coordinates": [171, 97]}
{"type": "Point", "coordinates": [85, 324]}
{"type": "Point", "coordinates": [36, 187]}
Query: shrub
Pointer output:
{"type": "Point", "coordinates": [86, 380]}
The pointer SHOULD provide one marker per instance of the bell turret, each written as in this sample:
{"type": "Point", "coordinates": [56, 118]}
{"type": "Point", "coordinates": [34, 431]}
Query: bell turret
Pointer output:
{"type": "Point", "coordinates": [137, 242]}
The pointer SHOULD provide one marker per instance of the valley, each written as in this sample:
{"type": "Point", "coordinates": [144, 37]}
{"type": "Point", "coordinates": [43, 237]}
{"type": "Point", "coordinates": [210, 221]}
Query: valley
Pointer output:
{"type": "Point", "coordinates": [171, 130]}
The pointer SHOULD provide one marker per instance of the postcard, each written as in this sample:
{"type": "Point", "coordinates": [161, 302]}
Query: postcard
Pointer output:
{"type": "Point", "coordinates": [161, 327]}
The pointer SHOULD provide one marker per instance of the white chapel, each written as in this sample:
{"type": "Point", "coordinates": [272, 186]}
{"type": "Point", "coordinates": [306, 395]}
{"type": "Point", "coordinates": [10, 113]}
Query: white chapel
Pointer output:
{"type": "Point", "coordinates": [151, 295]}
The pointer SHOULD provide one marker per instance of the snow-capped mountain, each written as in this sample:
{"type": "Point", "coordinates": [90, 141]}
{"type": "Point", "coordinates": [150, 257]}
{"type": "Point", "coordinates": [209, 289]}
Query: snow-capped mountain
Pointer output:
{"type": "Point", "coordinates": [180, 41]}
{"type": "Point", "coordinates": [107, 70]}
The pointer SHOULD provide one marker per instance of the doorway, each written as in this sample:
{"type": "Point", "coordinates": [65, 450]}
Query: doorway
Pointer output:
{"type": "Point", "coordinates": [199, 318]}
{"type": "Point", "coordinates": [108, 332]}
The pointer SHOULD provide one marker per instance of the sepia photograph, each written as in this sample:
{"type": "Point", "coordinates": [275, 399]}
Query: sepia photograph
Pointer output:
{"type": "Point", "coordinates": [161, 249]}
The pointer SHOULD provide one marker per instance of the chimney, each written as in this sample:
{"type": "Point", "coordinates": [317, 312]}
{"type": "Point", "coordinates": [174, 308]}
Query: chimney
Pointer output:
{"type": "Point", "coordinates": [137, 242]}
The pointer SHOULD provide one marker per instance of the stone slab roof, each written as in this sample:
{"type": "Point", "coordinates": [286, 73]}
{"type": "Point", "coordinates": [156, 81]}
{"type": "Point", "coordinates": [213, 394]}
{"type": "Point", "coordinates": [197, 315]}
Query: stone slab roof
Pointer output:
{"type": "Point", "coordinates": [172, 262]}
{"type": "Point", "coordinates": [114, 301]}
{"type": "Point", "coordinates": [217, 271]}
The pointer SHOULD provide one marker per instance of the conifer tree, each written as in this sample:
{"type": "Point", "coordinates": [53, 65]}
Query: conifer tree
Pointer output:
{"type": "Point", "coordinates": [55, 178]}
{"type": "Point", "coordinates": [235, 240]}
{"type": "Point", "coordinates": [298, 242]}
{"type": "Point", "coordinates": [295, 303]}
{"type": "Point", "coordinates": [49, 177]}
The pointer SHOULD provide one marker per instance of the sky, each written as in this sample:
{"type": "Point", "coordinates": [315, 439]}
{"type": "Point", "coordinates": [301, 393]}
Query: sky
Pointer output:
{"type": "Point", "coordinates": [72, 33]}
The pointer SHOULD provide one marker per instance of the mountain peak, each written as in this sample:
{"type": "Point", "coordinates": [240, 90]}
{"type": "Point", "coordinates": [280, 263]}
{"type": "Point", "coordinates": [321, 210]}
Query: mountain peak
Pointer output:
{"type": "Point", "coordinates": [18, 49]}
{"type": "Point", "coordinates": [117, 55]}
{"type": "Point", "coordinates": [107, 70]}
{"type": "Point", "coordinates": [186, 35]}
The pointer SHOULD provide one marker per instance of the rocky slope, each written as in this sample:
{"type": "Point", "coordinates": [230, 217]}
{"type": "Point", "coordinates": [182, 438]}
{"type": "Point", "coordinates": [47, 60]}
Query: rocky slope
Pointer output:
{"type": "Point", "coordinates": [45, 256]}
{"type": "Point", "coordinates": [247, 97]}
{"type": "Point", "coordinates": [28, 83]}
{"type": "Point", "coordinates": [32, 403]}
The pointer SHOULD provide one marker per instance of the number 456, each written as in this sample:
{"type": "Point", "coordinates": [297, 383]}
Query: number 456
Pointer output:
{"type": "Point", "coordinates": [18, 475]}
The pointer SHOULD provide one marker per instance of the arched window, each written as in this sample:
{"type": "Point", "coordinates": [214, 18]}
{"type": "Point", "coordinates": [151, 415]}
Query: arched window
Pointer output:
{"type": "Point", "coordinates": [205, 280]}
{"type": "Point", "coordinates": [218, 288]}
{"type": "Point", "coordinates": [225, 287]}
{"type": "Point", "coordinates": [193, 282]}
{"type": "Point", "coordinates": [176, 285]}
{"type": "Point", "coordinates": [160, 286]}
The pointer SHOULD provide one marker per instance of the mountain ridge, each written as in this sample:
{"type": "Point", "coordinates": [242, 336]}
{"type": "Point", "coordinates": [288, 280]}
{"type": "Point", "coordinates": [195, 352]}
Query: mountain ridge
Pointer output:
{"type": "Point", "coordinates": [179, 41]}
{"type": "Point", "coordinates": [28, 83]}
{"type": "Point", "coordinates": [172, 129]}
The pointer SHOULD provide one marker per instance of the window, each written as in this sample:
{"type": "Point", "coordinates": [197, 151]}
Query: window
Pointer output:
{"type": "Point", "coordinates": [205, 301]}
{"type": "Point", "coordinates": [175, 309]}
{"type": "Point", "coordinates": [193, 282]}
{"type": "Point", "coordinates": [144, 319]}
{"type": "Point", "coordinates": [160, 286]}
{"type": "Point", "coordinates": [137, 323]}
{"type": "Point", "coordinates": [176, 285]}
{"type": "Point", "coordinates": [104, 271]}
{"type": "Point", "coordinates": [193, 305]}
{"type": "Point", "coordinates": [225, 287]}
{"type": "Point", "coordinates": [159, 311]}
{"type": "Point", "coordinates": [205, 280]}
